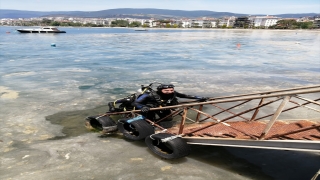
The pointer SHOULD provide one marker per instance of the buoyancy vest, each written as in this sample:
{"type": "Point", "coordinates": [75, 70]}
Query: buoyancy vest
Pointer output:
{"type": "Point", "coordinates": [161, 102]}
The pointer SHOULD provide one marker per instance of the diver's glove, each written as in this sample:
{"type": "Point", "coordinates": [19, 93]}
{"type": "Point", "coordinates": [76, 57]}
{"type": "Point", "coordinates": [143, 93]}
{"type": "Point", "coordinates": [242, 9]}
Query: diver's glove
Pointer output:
{"type": "Point", "coordinates": [145, 109]}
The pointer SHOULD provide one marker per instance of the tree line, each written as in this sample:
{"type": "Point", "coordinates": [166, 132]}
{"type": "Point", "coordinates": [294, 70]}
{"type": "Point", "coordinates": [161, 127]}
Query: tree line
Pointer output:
{"type": "Point", "coordinates": [281, 24]}
{"type": "Point", "coordinates": [292, 24]}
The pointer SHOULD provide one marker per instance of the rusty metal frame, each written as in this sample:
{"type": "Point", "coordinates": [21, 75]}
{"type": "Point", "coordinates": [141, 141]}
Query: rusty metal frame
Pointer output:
{"type": "Point", "coordinates": [265, 100]}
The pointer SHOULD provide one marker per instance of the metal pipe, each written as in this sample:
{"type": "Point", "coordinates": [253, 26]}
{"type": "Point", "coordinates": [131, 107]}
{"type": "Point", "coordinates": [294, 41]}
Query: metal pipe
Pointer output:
{"type": "Point", "coordinates": [172, 114]}
{"type": "Point", "coordinates": [250, 109]}
{"type": "Point", "coordinates": [286, 110]}
{"type": "Point", "coordinates": [231, 107]}
{"type": "Point", "coordinates": [185, 110]}
{"type": "Point", "coordinates": [300, 105]}
{"type": "Point", "coordinates": [314, 102]}
{"type": "Point", "coordinates": [267, 92]}
{"type": "Point", "coordinates": [198, 115]}
{"type": "Point", "coordinates": [265, 144]}
{"type": "Point", "coordinates": [257, 110]}
{"type": "Point", "coordinates": [275, 116]}
{"type": "Point", "coordinates": [229, 112]}
{"type": "Point", "coordinates": [277, 94]}
{"type": "Point", "coordinates": [211, 117]}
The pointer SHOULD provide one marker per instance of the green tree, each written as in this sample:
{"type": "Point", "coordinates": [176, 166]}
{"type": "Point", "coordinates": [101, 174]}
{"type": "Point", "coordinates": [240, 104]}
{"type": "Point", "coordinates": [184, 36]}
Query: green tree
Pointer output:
{"type": "Point", "coordinates": [145, 25]}
{"type": "Point", "coordinates": [55, 23]}
{"type": "Point", "coordinates": [286, 24]}
{"type": "Point", "coordinates": [119, 23]}
{"type": "Point", "coordinates": [46, 22]}
{"type": "Point", "coordinates": [164, 21]}
{"type": "Point", "coordinates": [135, 24]}
{"type": "Point", "coordinates": [305, 25]}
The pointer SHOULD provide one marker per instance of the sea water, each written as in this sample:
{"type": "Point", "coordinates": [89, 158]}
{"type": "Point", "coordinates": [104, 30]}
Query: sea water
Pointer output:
{"type": "Point", "coordinates": [88, 67]}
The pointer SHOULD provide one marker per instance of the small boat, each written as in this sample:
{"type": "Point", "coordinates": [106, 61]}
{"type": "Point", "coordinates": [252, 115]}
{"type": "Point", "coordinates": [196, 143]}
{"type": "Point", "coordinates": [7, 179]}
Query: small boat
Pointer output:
{"type": "Point", "coordinates": [141, 30]}
{"type": "Point", "coordinates": [41, 30]}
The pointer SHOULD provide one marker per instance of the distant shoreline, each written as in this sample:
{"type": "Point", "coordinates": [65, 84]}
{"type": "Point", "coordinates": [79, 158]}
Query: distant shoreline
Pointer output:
{"type": "Point", "coordinates": [207, 29]}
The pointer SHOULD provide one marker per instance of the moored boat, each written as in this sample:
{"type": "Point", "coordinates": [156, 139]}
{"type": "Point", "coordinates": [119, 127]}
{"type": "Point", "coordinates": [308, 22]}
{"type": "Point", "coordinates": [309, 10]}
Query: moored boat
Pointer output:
{"type": "Point", "coordinates": [141, 30]}
{"type": "Point", "coordinates": [41, 30]}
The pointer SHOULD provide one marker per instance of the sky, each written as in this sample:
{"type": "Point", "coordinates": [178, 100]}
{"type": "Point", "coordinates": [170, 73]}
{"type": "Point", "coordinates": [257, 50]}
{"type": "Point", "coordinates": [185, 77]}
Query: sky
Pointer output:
{"type": "Point", "coordinates": [267, 7]}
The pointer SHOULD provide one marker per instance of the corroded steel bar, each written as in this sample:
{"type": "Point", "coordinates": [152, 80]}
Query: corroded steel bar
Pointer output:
{"type": "Point", "coordinates": [211, 124]}
{"type": "Point", "coordinates": [185, 110]}
{"type": "Point", "coordinates": [172, 114]}
{"type": "Point", "coordinates": [199, 114]}
{"type": "Point", "coordinates": [224, 111]}
{"type": "Point", "coordinates": [285, 110]}
{"type": "Point", "coordinates": [187, 118]}
{"type": "Point", "coordinates": [311, 108]}
{"type": "Point", "coordinates": [314, 90]}
{"type": "Point", "coordinates": [211, 117]}
{"type": "Point", "coordinates": [229, 112]}
{"type": "Point", "coordinates": [190, 119]}
{"type": "Point", "coordinates": [277, 94]}
{"type": "Point", "coordinates": [253, 137]}
{"type": "Point", "coordinates": [293, 132]}
{"type": "Point", "coordinates": [275, 116]}
{"type": "Point", "coordinates": [304, 106]}
{"type": "Point", "coordinates": [305, 91]}
{"type": "Point", "coordinates": [154, 124]}
{"type": "Point", "coordinates": [257, 110]}
{"type": "Point", "coordinates": [247, 133]}
{"type": "Point", "coordinates": [231, 107]}
{"type": "Point", "coordinates": [314, 102]}
{"type": "Point", "coordinates": [250, 109]}
{"type": "Point", "coordinates": [268, 92]}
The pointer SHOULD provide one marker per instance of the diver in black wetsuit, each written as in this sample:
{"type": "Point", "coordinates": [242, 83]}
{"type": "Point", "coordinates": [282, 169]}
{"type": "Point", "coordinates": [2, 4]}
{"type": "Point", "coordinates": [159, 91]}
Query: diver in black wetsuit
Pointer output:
{"type": "Point", "coordinates": [164, 96]}
{"type": "Point", "coordinates": [126, 103]}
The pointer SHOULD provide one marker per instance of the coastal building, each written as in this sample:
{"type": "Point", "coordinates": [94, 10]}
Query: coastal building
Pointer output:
{"type": "Point", "coordinates": [223, 22]}
{"type": "Point", "coordinates": [185, 23]}
{"type": "Point", "coordinates": [264, 21]}
{"type": "Point", "coordinates": [196, 23]}
{"type": "Point", "coordinates": [316, 22]}
{"type": "Point", "coordinates": [242, 22]}
{"type": "Point", "coordinates": [213, 24]}
{"type": "Point", "coordinates": [204, 22]}
{"type": "Point", "coordinates": [226, 21]}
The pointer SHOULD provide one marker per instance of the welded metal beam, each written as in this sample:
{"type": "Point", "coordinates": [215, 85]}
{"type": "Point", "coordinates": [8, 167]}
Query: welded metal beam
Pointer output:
{"type": "Point", "coordinates": [275, 116]}
{"type": "Point", "coordinates": [296, 145]}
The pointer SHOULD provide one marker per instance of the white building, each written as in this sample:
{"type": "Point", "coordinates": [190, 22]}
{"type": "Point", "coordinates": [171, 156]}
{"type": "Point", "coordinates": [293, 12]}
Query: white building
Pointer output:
{"type": "Point", "coordinates": [185, 23]}
{"type": "Point", "coordinates": [227, 21]}
{"type": "Point", "coordinates": [265, 21]}
{"type": "Point", "coordinates": [196, 23]}
{"type": "Point", "coordinates": [213, 24]}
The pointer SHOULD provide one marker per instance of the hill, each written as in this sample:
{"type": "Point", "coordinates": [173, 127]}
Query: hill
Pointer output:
{"type": "Point", "coordinates": [133, 13]}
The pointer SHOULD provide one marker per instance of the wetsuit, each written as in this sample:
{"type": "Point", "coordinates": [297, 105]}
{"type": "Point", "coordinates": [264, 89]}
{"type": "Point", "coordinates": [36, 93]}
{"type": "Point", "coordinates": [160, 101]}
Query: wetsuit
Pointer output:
{"type": "Point", "coordinates": [126, 104]}
{"type": "Point", "coordinates": [158, 99]}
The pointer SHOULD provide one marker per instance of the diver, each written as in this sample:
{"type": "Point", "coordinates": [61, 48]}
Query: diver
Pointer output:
{"type": "Point", "coordinates": [164, 96]}
{"type": "Point", "coordinates": [126, 103]}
